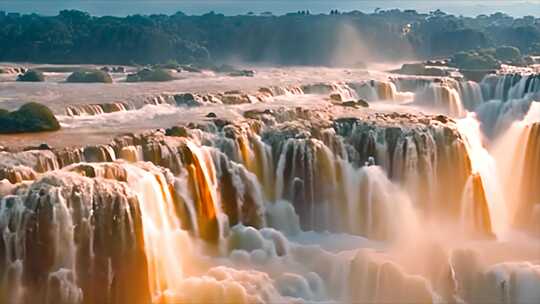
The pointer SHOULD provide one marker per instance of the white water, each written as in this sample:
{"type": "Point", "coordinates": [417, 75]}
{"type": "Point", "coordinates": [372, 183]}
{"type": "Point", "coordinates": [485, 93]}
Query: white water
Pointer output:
{"type": "Point", "coordinates": [165, 241]}
{"type": "Point", "coordinates": [382, 246]}
{"type": "Point", "coordinates": [484, 165]}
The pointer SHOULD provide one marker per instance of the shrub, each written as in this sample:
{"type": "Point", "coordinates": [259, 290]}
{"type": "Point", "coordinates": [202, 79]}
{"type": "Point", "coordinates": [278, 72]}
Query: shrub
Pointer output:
{"type": "Point", "coordinates": [508, 53]}
{"type": "Point", "coordinates": [31, 117]}
{"type": "Point", "coordinates": [475, 61]}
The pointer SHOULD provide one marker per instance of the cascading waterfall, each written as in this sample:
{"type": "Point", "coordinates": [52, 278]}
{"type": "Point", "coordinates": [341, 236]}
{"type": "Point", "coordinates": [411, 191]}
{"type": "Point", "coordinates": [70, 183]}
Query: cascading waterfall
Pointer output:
{"type": "Point", "coordinates": [497, 115]}
{"type": "Point", "coordinates": [520, 144]}
{"type": "Point", "coordinates": [442, 97]}
{"type": "Point", "coordinates": [282, 206]}
{"type": "Point", "coordinates": [96, 109]}
{"type": "Point", "coordinates": [439, 92]}
{"type": "Point", "coordinates": [374, 90]}
{"type": "Point", "coordinates": [470, 93]}
{"type": "Point", "coordinates": [509, 86]}
{"type": "Point", "coordinates": [165, 241]}
{"type": "Point", "coordinates": [483, 180]}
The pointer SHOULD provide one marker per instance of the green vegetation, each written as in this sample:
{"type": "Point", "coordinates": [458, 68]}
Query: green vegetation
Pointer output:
{"type": "Point", "coordinates": [488, 58]}
{"type": "Point", "coordinates": [154, 75]}
{"type": "Point", "coordinates": [297, 38]}
{"type": "Point", "coordinates": [474, 61]}
{"type": "Point", "coordinates": [508, 53]}
{"type": "Point", "coordinates": [90, 76]}
{"type": "Point", "coordinates": [31, 117]}
{"type": "Point", "coordinates": [31, 76]}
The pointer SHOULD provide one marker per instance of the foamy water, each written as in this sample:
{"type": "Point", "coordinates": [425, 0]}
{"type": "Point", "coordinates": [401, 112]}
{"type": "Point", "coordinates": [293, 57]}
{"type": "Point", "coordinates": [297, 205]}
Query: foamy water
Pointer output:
{"type": "Point", "coordinates": [294, 206]}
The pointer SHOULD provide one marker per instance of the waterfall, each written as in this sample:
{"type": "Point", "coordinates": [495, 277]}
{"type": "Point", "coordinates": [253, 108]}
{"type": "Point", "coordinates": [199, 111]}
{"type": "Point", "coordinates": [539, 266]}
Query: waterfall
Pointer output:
{"type": "Point", "coordinates": [96, 109]}
{"type": "Point", "coordinates": [57, 242]}
{"type": "Point", "coordinates": [164, 240]}
{"type": "Point", "coordinates": [374, 90]}
{"type": "Point", "coordinates": [517, 150]}
{"type": "Point", "coordinates": [442, 97]}
{"type": "Point", "coordinates": [497, 115]}
{"type": "Point", "coordinates": [509, 86]}
{"type": "Point", "coordinates": [298, 206]}
{"type": "Point", "coordinates": [411, 84]}
{"type": "Point", "coordinates": [470, 93]}
{"type": "Point", "coordinates": [483, 179]}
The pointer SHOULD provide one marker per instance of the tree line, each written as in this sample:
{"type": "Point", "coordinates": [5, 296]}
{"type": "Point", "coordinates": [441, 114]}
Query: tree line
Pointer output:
{"type": "Point", "coordinates": [297, 38]}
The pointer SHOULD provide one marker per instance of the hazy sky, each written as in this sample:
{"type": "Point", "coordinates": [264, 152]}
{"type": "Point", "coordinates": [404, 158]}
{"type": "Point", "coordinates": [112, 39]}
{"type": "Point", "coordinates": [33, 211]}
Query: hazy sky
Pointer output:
{"type": "Point", "coordinates": [235, 7]}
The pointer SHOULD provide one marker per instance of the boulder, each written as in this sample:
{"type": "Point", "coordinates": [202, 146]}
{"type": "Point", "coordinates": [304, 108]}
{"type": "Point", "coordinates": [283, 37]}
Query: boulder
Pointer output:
{"type": "Point", "coordinates": [118, 69]}
{"type": "Point", "coordinates": [441, 118]}
{"type": "Point", "coordinates": [211, 115]}
{"type": "Point", "coordinates": [188, 68]}
{"type": "Point", "coordinates": [31, 117]}
{"type": "Point", "coordinates": [89, 76]}
{"type": "Point", "coordinates": [187, 99]}
{"type": "Point", "coordinates": [242, 73]}
{"type": "Point", "coordinates": [349, 104]}
{"type": "Point", "coordinates": [150, 75]}
{"type": "Point", "coordinates": [355, 104]}
{"type": "Point", "coordinates": [362, 103]}
{"type": "Point", "coordinates": [413, 68]}
{"type": "Point", "coordinates": [31, 76]}
{"type": "Point", "coordinates": [335, 97]}
{"type": "Point", "coordinates": [177, 131]}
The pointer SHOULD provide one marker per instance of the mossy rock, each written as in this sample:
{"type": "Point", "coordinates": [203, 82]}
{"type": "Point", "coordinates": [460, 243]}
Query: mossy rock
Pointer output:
{"type": "Point", "coordinates": [31, 76]}
{"type": "Point", "coordinates": [188, 99]}
{"type": "Point", "coordinates": [150, 75]}
{"type": "Point", "coordinates": [31, 117]}
{"type": "Point", "coordinates": [177, 131]}
{"type": "Point", "coordinates": [89, 76]}
{"type": "Point", "coordinates": [242, 73]}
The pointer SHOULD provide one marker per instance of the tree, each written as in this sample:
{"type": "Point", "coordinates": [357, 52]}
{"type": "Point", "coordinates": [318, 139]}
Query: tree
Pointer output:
{"type": "Point", "coordinates": [508, 53]}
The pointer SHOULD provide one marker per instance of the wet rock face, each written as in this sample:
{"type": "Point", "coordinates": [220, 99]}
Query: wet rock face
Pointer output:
{"type": "Point", "coordinates": [177, 132]}
{"type": "Point", "coordinates": [21, 166]}
{"type": "Point", "coordinates": [72, 239]}
{"type": "Point", "coordinates": [403, 144]}
{"type": "Point", "coordinates": [355, 104]}
{"type": "Point", "coordinates": [414, 152]}
{"type": "Point", "coordinates": [188, 99]}
{"type": "Point", "coordinates": [335, 97]}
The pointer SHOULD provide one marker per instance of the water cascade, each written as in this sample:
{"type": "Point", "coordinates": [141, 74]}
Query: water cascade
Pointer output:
{"type": "Point", "coordinates": [374, 90]}
{"type": "Point", "coordinates": [441, 96]}
{"type": "Point", "coordinates": [286, 204]}
{"type": "Point", "coordinates": [520, 144]}
{"type": "Point", "coordinates": [509, 86]}
{"type": "Point", "coordinates": [96, 109]}
{"type": "Point", "coordinates": [489, 211]}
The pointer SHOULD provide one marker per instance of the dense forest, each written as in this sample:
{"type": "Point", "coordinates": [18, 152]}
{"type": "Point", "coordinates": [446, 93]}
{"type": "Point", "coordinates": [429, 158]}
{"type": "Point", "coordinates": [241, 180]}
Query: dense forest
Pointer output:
{"type": "Point", "coordinates": [296, 38]}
